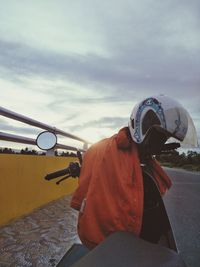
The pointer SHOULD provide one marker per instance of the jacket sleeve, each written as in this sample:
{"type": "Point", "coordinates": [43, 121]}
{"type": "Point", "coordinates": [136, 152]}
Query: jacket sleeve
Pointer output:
{"type": "Point", "coordinates": [84, 180]}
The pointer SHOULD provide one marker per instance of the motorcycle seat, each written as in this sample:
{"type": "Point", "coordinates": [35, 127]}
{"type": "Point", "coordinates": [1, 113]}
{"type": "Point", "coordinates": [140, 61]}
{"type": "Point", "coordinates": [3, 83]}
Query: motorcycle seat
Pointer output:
{"type": "Point", "coordinates": [123, 249]}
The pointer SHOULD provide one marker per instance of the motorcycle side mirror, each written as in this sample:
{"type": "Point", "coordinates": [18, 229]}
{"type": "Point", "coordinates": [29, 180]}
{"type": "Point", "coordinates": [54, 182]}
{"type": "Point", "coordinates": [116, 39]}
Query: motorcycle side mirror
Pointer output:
{"type": "Point", "coordinates": [46, 140]}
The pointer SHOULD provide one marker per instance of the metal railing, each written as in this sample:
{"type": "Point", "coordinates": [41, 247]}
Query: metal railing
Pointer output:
{"type": "Point", "coordinates": [26, 140]}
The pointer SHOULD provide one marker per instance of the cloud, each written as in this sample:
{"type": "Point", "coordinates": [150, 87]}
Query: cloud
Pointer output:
{"type": "Point", "coordinates": [79, 82]}
{"type": "Point", "coordinates": [140, 70]}
{"type": "Point", "coordinates": [105, 122]}
{"type": "Point", "coordinates": [19, 130]}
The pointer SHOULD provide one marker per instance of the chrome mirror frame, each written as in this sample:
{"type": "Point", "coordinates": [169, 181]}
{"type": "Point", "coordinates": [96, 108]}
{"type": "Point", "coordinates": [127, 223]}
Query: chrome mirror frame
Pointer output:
{"type": "Point", "coordinates": [46, 140]}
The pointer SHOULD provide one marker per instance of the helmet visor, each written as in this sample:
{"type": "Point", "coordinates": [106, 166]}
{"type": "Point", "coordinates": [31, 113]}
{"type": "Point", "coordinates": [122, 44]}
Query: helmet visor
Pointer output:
{"type": "Point", "coordinates": [191, 139]}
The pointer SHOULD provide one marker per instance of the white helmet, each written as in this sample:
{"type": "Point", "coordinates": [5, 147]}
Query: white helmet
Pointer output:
{"type": "Point", "coordinates": [165, 115]}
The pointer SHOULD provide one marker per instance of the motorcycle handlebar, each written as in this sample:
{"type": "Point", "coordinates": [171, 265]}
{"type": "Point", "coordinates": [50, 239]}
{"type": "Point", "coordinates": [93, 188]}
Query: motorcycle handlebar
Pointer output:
{"type": "Point", "coordinates": [56, 174]}
{"type": "Point", "coordinates": [73, 170]}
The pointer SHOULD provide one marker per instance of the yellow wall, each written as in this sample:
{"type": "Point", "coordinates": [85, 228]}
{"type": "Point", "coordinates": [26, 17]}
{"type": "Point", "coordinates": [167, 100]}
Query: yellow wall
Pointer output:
{"type": "Point", "coordinates": [22, 184]}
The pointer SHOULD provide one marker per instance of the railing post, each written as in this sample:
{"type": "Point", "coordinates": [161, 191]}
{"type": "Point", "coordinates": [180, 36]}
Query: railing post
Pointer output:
{"type": "Point", "coordinates": [50, 152]}
{"type": "Point", "coordinates": [85, 146]}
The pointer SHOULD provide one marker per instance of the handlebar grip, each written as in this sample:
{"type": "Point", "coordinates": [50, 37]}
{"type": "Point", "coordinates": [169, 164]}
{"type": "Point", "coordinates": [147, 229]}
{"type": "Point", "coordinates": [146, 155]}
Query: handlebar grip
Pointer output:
{"type": "Point", "coordinates": [53, 175]}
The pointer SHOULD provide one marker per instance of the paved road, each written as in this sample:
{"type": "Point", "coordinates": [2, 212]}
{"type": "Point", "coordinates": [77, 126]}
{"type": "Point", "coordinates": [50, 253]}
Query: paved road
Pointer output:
{"type": "Point", "coordinates": [183, 206]}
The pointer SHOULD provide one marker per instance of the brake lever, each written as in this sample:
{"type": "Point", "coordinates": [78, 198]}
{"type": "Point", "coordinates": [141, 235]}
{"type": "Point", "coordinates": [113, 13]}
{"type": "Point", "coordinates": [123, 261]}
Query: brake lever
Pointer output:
{"type": "Point", "coordinates": [74, 171]}
{"type": "Point", "coordinates": [64, 178]}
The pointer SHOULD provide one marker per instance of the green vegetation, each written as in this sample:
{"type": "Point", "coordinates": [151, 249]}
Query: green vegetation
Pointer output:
{"type": "Point", "coordinates": [189, 161]}
{"type": "Point", "coordinates": [27, 151]}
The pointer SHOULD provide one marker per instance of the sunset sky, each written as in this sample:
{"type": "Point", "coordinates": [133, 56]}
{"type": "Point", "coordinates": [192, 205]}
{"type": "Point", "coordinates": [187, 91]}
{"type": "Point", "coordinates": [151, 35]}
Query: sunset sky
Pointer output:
{"type": "Point", "coordinates": [82, 65]}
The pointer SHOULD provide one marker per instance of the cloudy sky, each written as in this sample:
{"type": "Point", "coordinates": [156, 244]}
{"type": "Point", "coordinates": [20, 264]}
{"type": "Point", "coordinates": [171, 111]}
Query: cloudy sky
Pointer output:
{"type": "Point", "coordinates": [82, 65]}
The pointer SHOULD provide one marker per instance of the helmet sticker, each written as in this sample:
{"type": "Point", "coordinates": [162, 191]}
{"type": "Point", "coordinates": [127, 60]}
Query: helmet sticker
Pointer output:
{"type": "Point", "coordinates": [156, 106]}
{"type": "Point", "coordinates": [178, 124]}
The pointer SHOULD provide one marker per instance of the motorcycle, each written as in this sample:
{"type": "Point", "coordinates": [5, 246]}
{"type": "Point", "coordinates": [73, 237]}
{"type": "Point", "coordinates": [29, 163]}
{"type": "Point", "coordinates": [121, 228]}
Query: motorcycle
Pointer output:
{"type": "Point", "coordinates": [156, 246]}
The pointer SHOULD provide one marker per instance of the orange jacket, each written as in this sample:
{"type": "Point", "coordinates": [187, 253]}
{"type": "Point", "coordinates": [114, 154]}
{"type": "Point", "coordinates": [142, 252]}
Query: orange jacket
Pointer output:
{"type": "Point", "coordinates": [110, 192]}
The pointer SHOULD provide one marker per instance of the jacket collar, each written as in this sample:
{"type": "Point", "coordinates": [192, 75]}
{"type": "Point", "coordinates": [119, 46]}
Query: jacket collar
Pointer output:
{"type": "Point", "coordinates": [123, 139]}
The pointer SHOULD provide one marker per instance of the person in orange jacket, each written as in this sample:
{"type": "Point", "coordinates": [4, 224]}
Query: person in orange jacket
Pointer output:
{"type": "Point", "coordinates": [110, 195]}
